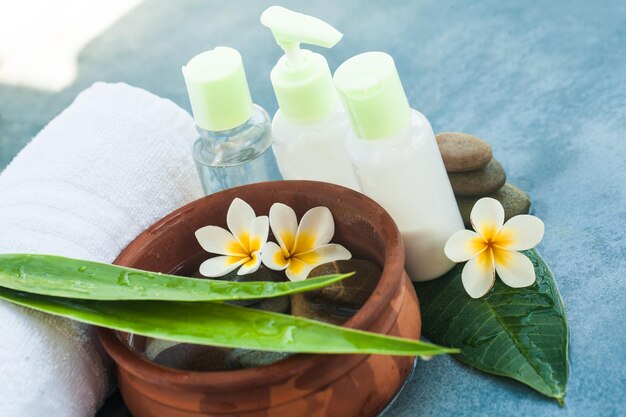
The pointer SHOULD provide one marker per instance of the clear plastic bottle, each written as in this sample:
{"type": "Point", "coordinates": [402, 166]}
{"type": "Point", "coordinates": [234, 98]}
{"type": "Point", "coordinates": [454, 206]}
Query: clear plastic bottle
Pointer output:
{"type": "Point", "coordinates": [238, 156]}
{"type": "Point", "coordinates": [234, 144]}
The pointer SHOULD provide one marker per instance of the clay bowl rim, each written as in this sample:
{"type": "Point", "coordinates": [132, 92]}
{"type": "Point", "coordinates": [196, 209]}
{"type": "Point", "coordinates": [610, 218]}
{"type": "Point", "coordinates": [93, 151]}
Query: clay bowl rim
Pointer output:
{"type": "Point", "coordinates": [392, 274]}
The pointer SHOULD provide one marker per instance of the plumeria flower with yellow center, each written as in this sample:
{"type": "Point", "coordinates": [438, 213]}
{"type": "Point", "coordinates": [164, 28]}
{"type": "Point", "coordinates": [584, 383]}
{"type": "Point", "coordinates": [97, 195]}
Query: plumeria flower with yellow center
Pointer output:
{"type": "Point", "coordinates": [301, 247]}
{"type": "Point", "coordinates": [241, 247]}
{"type": "Point", "coordinates": [493, 248]}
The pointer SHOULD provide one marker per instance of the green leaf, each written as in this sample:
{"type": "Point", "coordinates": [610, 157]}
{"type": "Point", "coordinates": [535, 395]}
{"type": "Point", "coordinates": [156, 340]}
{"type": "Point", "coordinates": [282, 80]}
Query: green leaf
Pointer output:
{"type": "Point", "coordinates": [520, 333]}
{"type": "Point", "coordinates": [74, 278]}
{"type": "Point", "coordinates": [220, 324]}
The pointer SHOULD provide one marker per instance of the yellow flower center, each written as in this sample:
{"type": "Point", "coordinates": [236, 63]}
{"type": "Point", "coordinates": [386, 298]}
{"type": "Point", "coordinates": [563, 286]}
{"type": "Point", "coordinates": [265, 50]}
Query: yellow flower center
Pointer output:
{"type": "Point", "coordinates": [491, 245]}
{"type": "Point", "coordinates": [288, 242]}
{"type": "Point", "coordinates": [251, 260]}
{"type": "Point", "coordinates": [236, 249]}
{"type": "Point", "coordinates": [297, 248]}
{"type": "Point", "coordinates": [304, 243]}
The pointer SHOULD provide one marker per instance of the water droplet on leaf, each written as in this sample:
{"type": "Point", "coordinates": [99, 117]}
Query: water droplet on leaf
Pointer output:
{"type": "Point", "coordinates": [266, 327]}
{"type": "Point", "coordinates": [123, 279]}
{"type": "Point", "coordinates": [21, 275]}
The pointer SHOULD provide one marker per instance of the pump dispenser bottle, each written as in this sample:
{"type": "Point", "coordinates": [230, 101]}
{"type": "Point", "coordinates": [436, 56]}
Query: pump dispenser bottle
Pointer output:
{"type": "Point", "coordinates": [310, 127]}
{"type": "Point", "coordinates": [234, 144]}
{"type": "Point", "coordinates": [397, 161]}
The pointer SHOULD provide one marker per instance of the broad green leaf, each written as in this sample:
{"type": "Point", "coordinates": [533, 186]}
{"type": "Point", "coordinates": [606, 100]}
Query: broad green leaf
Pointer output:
{"type": "Point", "coordinates": [220, 324]}
{"type": "Point", "coordinates": [74, 278]}
{"type": "Point", "coordinates": [520, 333]}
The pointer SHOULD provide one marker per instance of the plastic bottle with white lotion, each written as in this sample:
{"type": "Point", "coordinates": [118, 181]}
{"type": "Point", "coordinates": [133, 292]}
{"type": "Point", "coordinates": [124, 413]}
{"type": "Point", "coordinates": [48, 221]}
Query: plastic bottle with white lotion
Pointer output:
{"type": "Point", "coordinates": [234, 143]}
{"type": "Point", "coordinates": [397, 161]}
{"type": "Point", "coordinates": [310, 128]}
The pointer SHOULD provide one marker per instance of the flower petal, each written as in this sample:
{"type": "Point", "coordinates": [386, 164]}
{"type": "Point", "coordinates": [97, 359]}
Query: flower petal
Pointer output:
{"type": "Point", "coordinates": [301, 265]}
{"type": "Point", "coordinates": [514, 268]}
{"type": "Point", "coordinates": [274, 257]}
{"type": "Point", "coordinates": [284, 225]}
{"type": "Point", "coordinates": [326, 253]}
{"type": "Point", "coordinates": [259, 229]}
{"type": "Point", "coordinates": [252, 265]}
{"type": "Point", "coordinates": [215, 239]}
{"type": "Point", "coordinates": [298, 270]}
{"type": "Point", "coordinates": [478, 274]}
{"type": "Point", "coordinates": [221, 265]}
{"type": "Point", "coordinates": [316, 228]}
{"type": "Point", "coordinates": [464, 245]}
{"type": "Point", "coordinates": [520, 233]}
{"type": "Point", "coordinates": [487, 217]}
{"type": "Point", "coordinates": [239, 217]}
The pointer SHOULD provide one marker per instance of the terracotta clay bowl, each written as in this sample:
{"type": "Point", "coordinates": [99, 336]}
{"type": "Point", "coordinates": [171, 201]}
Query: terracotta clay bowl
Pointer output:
{"type": "Point", "coordinates": [301, 385]}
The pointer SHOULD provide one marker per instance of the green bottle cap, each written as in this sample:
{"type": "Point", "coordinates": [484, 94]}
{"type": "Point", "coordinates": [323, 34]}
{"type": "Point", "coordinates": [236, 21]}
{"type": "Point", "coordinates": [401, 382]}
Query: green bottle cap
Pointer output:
{"type": "Point", "coordinates": [301, 79]}
{"type": "Point", "coordinates": [372, 93]}
{"type": "Point", "coordinates": [218, 90]}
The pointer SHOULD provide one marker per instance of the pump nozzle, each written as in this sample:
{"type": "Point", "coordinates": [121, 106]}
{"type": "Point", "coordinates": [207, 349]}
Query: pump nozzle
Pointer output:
{"type": "Point", "coordinates": [290, 29]}
{"type": "Point", "coordinates": [301, 79]}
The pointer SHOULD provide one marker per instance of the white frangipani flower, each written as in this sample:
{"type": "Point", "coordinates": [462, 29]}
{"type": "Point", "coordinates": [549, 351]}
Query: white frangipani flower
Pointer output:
{"type": "Point", "coordinates": [241, 246]}
{"type": "Point", "coordinates": [301, 247]}
{"type": "Point", "coordinates": [493, 248]}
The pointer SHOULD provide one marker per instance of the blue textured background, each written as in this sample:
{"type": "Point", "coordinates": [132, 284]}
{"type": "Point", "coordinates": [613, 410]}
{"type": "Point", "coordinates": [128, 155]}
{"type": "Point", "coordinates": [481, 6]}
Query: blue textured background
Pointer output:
{"type": "Point", "coordinates": [543, 81]}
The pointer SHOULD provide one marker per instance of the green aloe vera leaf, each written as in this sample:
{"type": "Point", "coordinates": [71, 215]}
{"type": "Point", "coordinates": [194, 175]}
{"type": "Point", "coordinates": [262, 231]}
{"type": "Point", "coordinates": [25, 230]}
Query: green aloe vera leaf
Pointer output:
{"type": "Point", "coordinates": [221, 324]}
{"type": "Point", "coordinates": [520, 333]}
{"type": "Point", "coordinates": [73, 278]}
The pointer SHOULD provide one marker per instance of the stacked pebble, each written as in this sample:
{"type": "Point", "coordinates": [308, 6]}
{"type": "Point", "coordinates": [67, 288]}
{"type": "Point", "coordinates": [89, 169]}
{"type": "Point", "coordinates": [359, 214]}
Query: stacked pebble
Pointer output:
{"type": "Point", "coordinates": [474, 173]}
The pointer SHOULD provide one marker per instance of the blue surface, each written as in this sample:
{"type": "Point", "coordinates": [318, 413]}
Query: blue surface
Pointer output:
{"type": "Point", "coordinates": [543, 81]}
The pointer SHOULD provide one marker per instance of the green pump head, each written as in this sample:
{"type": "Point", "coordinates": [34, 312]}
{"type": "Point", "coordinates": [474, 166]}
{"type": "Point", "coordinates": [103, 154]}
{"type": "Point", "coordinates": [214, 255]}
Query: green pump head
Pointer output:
{"type": "Point", "coordinates": [301, 79]}
{"type": "Point", "coordinates": [218, 89]}
{"type": "Point", "coordinates": [373, 96]}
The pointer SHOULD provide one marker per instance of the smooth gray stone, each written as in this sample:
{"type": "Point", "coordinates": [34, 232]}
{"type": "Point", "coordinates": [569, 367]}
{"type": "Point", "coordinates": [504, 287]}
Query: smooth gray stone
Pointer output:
{"type": "Point", "coordinates": [328, 313]}
{"type": "Point", "coordinates": [350, 292]}
{"type": "Point", "coordinates": [462, 152]}
{"type": "Point", "coordinates": [189, 357]}
{"type": "Point", "coordinates": [514, 201]}
{"type": "Point", "coordinates": [479, 183]}
{"type": "Point", "coordinates": [276, 304]}
{"type": "Point", "coordinates": [244, 358]}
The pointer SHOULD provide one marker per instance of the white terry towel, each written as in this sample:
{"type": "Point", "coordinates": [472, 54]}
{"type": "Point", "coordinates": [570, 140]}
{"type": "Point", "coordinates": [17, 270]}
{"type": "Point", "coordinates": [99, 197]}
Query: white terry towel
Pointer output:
{"type": "Point", "coordinates": [112, 163]}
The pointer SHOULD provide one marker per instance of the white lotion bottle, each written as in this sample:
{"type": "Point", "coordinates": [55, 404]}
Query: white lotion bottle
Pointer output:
{"type": "Point", "coordinates": [397, 161]}
{"type": "Point", "coordinates": [309, 130]}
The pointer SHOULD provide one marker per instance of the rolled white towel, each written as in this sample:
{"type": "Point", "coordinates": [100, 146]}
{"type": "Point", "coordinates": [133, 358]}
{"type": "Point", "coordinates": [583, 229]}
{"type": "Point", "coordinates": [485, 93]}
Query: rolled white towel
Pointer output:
{"type": "Point", "coordinates": [117, 159]}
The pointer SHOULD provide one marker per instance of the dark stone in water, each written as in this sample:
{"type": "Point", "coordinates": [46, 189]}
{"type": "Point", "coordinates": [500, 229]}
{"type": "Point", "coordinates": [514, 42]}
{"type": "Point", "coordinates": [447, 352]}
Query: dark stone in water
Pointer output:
{"type": "Point", "coordinates": [190, 357]}
{"type": "Point", "coordinates": [276, 304]}
{"type": "Point", "coordinates": [328, 313]}
{"type": "Point", "coordinates": [245, 358]}
{"type": "Point", "coordinates": [338, 302]}
{"type": "Point", "coordinates": [351, 292]}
